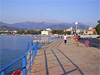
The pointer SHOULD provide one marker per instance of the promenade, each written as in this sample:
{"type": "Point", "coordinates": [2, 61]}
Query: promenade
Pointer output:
{"type": "Point", "coordinates": [58, 58]}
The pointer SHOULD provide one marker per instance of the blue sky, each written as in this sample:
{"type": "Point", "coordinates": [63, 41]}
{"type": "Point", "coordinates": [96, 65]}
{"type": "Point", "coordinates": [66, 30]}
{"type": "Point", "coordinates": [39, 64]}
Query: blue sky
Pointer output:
{"type": "Point", "coordinates": [69, 11]}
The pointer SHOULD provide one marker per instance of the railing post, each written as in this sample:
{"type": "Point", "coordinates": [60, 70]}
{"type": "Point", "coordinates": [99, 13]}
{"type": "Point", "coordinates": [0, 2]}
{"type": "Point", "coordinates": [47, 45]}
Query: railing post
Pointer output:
{"type": "Point", "coordinates": [2, 73]}
{"type": "Point", "coordinates": [48, 40]}
{"type": "Point", "coordinates": [32, 43]}
{"type": "Point", "coordinates": [36, 48]}
{"type": "Point", "coordinates": [24, 65]}
{"type": "Point", "coordinates": [39, 44]}
{"type": "Point", "coordinates": [33, 56]}
{"type": "Point", "coordinates": [42, 43]}
{"type": "Point", "coordinates": [30, 62]}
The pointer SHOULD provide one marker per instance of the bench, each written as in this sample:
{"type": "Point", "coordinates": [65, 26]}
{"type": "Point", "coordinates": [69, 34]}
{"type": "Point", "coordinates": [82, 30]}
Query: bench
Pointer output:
{"type": "Point", "coordinates": [86, 43]}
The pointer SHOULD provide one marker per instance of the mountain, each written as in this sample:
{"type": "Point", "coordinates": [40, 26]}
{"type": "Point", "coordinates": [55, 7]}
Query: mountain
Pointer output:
{"type": "Point", "coordinates": [4, 28]}
{"type": "Point", "coordinates": [4, 23]}
{"type": "Point", "coordinates": [44, 25]}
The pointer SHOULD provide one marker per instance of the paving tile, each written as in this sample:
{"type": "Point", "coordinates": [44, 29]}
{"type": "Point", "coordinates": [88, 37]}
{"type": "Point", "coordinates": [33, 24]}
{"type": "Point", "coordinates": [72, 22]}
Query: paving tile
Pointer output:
{"type": "Point", "coordinates": [87, 59]}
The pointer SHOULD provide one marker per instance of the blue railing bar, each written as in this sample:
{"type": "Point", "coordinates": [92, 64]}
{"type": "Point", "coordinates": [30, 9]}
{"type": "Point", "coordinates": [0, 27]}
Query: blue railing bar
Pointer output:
{"type": "Point", "coordinates": [20, 70]}
{"type": "Point", "coordinates": [2, 73]}
{"type": "Point", "coordinates": [32, 56]}
{"type": "Point", "coordinates": [24, 65]}
{"type": "Point", "coordinates": [29, 50]}
{"type": "Point", "coordinates": [30, 62]}
{"type": "Point", "coordinates": [31, 43]}
{"type": "Point", "coordinates": [48, 40]}
{"type": "Point", "coordinates": [7, 66]}
{"type": "Point", "coordinates": [28, 59]}
{"type": "Point", "coordinates": [34, 53]}
{"type": "Point", "coordinates": [42, 43]}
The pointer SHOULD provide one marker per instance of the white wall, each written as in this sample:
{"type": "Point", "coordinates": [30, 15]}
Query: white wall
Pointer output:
{"type": "Point", "coordinates": [44, 32]}
{"type": "Point", "coordinates": [86, 36]}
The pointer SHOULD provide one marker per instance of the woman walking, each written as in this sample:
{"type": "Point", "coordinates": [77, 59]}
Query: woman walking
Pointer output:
{"type": "Point", "coordinates": [65, 38]}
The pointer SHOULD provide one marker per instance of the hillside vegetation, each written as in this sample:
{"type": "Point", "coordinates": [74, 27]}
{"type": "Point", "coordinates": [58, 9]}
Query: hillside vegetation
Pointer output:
{"type": "Point", "coordinates": [4, 28]}
{"type": "Point", "coordinates": [98, 28]}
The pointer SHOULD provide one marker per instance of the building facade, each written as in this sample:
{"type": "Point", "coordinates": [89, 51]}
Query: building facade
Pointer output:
{"type": "Point", "coordinates": [45, 32]}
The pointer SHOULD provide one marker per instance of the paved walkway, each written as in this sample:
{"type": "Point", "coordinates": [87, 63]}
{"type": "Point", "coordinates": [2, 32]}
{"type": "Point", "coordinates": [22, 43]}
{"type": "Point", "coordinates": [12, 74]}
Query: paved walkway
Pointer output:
{"type": "Point", "coordinates": [58, 58]}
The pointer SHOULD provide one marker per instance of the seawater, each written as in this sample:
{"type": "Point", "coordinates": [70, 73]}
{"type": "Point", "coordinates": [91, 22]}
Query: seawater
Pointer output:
{"type": "Point", "coordinates": [12, 47]}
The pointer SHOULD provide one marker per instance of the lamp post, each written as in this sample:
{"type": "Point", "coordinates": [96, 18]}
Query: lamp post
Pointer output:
{"type": "Point", "coordinates": [71, 30]}
{"type": "Point", "coordinates": [76, 23]}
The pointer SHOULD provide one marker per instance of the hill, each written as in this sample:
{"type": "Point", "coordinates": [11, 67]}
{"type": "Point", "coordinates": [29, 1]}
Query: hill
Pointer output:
{"type": "Point", "coordinates": [4, 28]}
{"type": "Point", "coordinates": [44, 25]}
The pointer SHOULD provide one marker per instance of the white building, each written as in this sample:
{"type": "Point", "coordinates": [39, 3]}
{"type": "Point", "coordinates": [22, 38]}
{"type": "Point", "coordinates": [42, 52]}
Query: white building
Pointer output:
{"type": "Point", "coordinates": [48, 29]}
{"type": "Point", "coordinates": [69, 29]}
{"type": "Point", "coordinates": [44, 32]}
{"type": "Point", "coordinates": [90, 28]}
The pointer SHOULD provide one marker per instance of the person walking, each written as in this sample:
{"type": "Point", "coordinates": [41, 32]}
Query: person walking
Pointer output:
{"type": "Point", "coordinates": [65, 38]}
{"type": "Point", "coordinates": [76, 39]}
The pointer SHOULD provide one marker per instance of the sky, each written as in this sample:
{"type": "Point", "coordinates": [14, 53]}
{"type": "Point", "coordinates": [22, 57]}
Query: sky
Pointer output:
{"type": "Point", "coordinates": [52, 11]}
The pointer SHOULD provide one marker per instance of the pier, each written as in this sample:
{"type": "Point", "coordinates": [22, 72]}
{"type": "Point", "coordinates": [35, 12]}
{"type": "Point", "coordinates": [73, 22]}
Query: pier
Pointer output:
{"type": "Point", "coordinates": [54, 57]}
{"type": "Point", "coordinates": [58, 58]}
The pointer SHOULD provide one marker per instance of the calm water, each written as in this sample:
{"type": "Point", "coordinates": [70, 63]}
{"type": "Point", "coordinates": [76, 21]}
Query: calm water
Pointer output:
{"type": "Point", "coordinates": [12, 47]}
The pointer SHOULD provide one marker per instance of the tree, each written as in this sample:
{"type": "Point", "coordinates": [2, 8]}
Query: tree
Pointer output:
{"type": "Point", "coordinates": [98, 28]}
{"type": "Point", "coordinates": [94, 32]}
{"type": "Point", "coordinates": [33, 32]}
{"type": "Point", "coordinates": [57, 31]}
{"type": "Point", "coordinates": [20, 32]}
{"type": "Point", "coordinates": [67, 32]}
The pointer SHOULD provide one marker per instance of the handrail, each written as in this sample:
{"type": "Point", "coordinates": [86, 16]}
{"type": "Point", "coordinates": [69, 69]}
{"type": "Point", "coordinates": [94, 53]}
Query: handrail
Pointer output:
{"type": "Point", "coordinates": [7, 66]}
{"type": "Point", "coordinates": [34, 48]}
{"type": "Point", "coordinates": [28, 50]}
{"type": "Point", "coordinates": [13, 62]}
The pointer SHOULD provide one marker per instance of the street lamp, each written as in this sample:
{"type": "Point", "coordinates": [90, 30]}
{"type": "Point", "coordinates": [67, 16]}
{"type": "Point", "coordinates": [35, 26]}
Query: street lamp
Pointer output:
{"type": "Point", "coordinates": [71, 30]}
{"type": "Point", "coordinates": [76, 23]}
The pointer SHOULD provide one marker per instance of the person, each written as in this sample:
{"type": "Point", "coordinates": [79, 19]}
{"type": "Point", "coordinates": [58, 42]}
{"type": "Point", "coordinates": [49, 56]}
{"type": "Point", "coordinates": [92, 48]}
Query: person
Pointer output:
{"type": "Point", "coordinates": [65, 38]}
{"type": "Point", "coordinates": [76, 39]}
{"type": "Point", "coordinates": [35, 38]}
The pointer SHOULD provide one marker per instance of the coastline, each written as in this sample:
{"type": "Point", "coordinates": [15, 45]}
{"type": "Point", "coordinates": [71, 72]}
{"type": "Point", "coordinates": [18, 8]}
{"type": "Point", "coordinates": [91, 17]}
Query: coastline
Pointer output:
{"type": "Point", "coordinates": [30, 35]}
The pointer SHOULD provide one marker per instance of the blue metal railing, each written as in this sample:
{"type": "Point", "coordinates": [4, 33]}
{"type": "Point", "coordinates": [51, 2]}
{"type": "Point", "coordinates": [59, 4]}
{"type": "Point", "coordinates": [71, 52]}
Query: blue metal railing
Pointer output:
{"type": "Point", "coordinates": [29, 56]}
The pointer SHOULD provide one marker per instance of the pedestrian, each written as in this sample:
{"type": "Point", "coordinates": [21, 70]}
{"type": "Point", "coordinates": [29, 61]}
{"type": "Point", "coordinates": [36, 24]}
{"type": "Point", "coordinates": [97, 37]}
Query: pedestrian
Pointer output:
{"type": "Point", "coordinates": [76, 39]}
{"type": "Point", "coordinates": [65, 38]}
{"type": "Point", "coordinates": [35, 38]}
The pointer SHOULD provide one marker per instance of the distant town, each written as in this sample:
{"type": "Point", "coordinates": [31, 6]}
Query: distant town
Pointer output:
{"type": "Point", "coordinates": [49, 31]}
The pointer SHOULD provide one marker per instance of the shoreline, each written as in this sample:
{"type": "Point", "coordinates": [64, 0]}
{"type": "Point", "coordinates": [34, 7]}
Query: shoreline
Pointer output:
{"type": "Point", "coordinates": [31, 35]}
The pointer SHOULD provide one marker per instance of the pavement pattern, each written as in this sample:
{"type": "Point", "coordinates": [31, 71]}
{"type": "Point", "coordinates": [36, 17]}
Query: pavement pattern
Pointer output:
{"type": "Point", "coordinates": [59, 58]}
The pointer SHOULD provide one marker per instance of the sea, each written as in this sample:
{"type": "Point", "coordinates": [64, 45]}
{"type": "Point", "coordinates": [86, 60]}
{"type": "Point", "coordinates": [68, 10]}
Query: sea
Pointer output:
{"type": "Point", "coordinates": [12, 47]}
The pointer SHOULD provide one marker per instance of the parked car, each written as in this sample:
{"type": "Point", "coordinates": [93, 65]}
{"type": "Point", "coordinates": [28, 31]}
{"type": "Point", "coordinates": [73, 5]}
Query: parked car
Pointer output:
{"type": "Point", "coordinates": [78, 35]}
{"type": "Point", "coordinates": [98, 37]}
